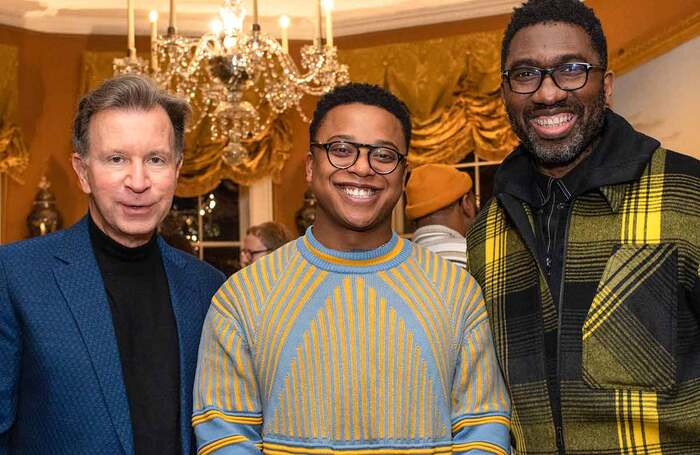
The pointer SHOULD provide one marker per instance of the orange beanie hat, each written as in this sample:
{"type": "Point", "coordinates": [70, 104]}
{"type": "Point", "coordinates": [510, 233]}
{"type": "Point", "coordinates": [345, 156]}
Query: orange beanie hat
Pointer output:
{"type": "Point", "coordinates": [434, 186]}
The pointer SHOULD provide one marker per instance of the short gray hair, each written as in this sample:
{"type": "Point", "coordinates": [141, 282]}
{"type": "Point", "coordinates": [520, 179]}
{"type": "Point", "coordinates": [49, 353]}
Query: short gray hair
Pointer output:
{"type": "Point", "coordinates": [129, 91]}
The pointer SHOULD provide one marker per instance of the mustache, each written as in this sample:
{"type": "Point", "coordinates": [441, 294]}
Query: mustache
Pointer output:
{"type": "Point", "coordinates": [537, 109]}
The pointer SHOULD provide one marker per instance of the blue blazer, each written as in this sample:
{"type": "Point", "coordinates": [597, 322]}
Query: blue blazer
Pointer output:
{"type": "Point", "coordinates": [61, 387]}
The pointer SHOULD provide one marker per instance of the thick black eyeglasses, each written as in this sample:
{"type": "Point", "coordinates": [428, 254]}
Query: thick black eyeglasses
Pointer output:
{"type": "Point", "coordinates": [343, 154]}
{"type": "Point", "coordinates": [568, 77]}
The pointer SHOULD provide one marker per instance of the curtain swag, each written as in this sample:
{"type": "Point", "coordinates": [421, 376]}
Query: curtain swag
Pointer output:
{"type": "Point", "coordinates": [14, 157]}
{"type": "Point", "coordinates": [452, 88]}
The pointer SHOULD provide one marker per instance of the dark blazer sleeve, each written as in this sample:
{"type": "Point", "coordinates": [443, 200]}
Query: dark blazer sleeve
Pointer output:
{"type": "Point", "coordinates": [10, 352]}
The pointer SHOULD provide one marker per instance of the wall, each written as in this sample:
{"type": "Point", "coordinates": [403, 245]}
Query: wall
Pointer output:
{"type": "Point", "coordinates": [661, 98]}
{"type": "Point", "coordinates": [50, 66]}
{"type": "Point", "coordinates": [49, 77]}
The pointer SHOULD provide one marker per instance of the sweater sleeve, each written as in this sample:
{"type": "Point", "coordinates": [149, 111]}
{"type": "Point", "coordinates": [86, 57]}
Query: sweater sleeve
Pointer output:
{"type": "Point", "coordinates": [227, 415]}
{"type": "Point", "coordinates": [480, 403]}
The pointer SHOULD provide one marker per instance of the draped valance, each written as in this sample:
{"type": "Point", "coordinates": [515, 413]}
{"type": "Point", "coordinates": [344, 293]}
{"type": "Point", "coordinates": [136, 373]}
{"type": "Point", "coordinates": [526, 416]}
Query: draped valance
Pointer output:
{"type": "Point", "coordinates": [452, 88]}
{"type": "Point", "coordinates": [14, 157]}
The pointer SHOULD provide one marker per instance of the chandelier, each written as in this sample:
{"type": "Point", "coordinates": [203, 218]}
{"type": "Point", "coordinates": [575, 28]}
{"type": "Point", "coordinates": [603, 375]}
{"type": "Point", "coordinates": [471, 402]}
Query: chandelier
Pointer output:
{"type": "Point", "coordinates": [236, 82]}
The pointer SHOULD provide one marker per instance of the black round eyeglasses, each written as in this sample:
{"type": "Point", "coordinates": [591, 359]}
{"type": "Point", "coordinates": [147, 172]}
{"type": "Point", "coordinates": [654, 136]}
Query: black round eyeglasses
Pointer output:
{"type": "Point", "coordinates": [343, 154]}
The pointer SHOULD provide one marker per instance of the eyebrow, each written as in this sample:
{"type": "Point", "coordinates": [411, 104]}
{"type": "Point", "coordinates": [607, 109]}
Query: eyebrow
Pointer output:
{"type": "Point", "coordinates": [345, 137]}
{"type": "Point", "coordinates": [161, 152]}
{"type": "Point", "coordinates": [566, 58]}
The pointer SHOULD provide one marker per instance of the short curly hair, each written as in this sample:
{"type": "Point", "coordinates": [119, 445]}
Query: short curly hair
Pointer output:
{"type": "Point", "coordinates": [368, 94]}
{"type": "Point", "coordinates": [548, 11]}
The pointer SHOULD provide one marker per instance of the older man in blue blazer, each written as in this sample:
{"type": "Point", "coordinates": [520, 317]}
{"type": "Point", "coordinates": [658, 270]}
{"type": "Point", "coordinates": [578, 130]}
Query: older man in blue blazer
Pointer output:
{"type": "Point", "coordinates": [100, 323]}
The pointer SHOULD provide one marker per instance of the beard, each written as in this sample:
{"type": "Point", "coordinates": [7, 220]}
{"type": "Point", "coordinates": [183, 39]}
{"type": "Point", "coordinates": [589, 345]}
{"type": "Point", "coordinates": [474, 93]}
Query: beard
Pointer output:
{"type": "Point", "coordinates": [563, 151]}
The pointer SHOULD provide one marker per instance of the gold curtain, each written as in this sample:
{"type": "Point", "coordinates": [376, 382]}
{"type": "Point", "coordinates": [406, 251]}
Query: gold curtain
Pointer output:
{"type": "Point", "coordinates": [202, 168]}
{"type": "Point", "coordinates": [452, 88]}
{"type": "Point", "coordinates": [14, 157]}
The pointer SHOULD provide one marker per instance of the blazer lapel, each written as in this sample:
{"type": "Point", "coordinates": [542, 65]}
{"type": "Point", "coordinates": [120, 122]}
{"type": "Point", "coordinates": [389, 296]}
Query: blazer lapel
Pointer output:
{"type": "Point", "coordinates": [80, 281]}
{"type": "Point", "coordinates": [189, 316]}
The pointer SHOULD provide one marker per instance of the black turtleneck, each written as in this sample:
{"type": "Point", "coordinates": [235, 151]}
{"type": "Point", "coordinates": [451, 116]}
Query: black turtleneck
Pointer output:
{"type": "Point", "coordinates": [144, 324]}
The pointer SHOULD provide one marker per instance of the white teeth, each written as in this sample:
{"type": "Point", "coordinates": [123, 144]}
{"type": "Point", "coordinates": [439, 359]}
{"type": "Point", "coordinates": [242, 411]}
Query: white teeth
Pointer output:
{"type": "Point", "coordinates": [554, 120]}
{"type": "Point", "coordinates": [362, 193]}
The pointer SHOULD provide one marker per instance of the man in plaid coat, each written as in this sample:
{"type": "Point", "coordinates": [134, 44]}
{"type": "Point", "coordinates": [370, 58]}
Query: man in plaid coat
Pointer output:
{"type": "Point", "coordinates": [588, 255]}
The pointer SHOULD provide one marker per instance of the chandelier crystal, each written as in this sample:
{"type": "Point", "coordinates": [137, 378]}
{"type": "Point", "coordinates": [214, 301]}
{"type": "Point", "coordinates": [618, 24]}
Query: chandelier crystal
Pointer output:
{"type": "Point", "coordinates": [236, 82]}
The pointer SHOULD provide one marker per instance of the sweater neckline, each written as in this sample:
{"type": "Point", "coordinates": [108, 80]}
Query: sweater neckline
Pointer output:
{"type": "Point", "coordinates": [389, 255]}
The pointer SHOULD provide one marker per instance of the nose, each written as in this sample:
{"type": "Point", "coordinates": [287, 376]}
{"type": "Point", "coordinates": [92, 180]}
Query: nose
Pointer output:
{"type": "Point", "coordinates": [138, 180]}
{"type": "Point", "coordinates": [549, 93]}
{"type": "Point", "coordinates": [361, 166]}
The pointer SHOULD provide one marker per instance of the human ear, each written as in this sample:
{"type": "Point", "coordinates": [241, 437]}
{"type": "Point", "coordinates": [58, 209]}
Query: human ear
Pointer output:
{"type": "Point", "coordinates": [608, 81]}
{"type": "Point", "coordinates": [80, 168]}
{"type": "Point", "coordinates": [468, 204]}
{"type": "Point", "coordinates": [308, 167]}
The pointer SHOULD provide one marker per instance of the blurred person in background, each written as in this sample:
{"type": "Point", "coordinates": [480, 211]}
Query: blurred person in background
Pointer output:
{"type": "Point", "coordinates": [263, 239]}
{"type": "Point", "coordinates": [440, 201]}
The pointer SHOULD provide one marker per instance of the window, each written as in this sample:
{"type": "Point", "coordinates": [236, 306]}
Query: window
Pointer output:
{"type": "Point", "coordinates": [482, 174]}
{"type": "Point", "coordinates": [209, 226]}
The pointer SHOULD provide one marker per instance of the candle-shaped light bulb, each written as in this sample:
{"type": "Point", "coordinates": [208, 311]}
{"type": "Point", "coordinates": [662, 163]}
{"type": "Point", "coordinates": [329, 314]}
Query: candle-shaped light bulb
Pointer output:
{"type": "Point", "coordinates": [284, 25]}
{"type": "Point", "coordinates": [153, 19]}
{"type": "Point", "coordinates": [171, 22]}
{"type": "Point", "coordinates": [317, 35]}
{"type": "Point", "coordinates": [328, 8]}
{"type": "Point", "coordinates": [256, 20]}
{"type": "Point", "coordinates": [131, 35]}
{"type": "Point", "coordinates": [216, 26]}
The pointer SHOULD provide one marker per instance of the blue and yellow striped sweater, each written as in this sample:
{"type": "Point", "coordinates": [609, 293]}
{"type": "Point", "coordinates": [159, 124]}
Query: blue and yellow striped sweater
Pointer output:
{"type": "Point", "coordinates": [315, 351]}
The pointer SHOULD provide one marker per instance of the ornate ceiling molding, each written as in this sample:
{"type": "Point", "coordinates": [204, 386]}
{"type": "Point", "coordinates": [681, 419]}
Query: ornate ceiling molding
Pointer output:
{"type": "Point", "coordinates": [105, 17]}
{"type": "Point", "coordinates": [647, 48]}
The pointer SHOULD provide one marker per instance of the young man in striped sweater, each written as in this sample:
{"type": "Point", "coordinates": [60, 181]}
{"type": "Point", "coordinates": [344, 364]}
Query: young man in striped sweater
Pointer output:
{"type": "Point", "coordinates": [351, 339]}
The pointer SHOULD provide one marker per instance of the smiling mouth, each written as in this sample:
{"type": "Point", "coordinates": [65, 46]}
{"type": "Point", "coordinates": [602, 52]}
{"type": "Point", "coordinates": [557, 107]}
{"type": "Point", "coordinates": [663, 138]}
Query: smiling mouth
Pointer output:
{"type": "Point", "coordinates": [356, 192]}
{"type": "Point", "coordinates": [553, 126]}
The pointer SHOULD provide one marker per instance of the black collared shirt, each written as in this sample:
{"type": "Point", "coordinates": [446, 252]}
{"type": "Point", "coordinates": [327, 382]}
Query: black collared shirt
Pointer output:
{"type": "Point", "coordinates": [551, 220]}
{"type": "Point", "coordinates": [146, 332]}
{"type": "Point", "coordinates": [552, 216]}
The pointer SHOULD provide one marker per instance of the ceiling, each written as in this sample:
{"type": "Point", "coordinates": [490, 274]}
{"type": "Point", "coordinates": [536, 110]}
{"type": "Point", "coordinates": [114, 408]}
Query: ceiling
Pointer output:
{"type": "Point", "coordinates": [350, 17]}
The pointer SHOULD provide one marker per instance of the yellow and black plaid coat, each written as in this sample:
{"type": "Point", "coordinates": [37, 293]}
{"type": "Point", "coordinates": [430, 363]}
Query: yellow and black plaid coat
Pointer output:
{"type": "Point", "coordinates": [629, 338]}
